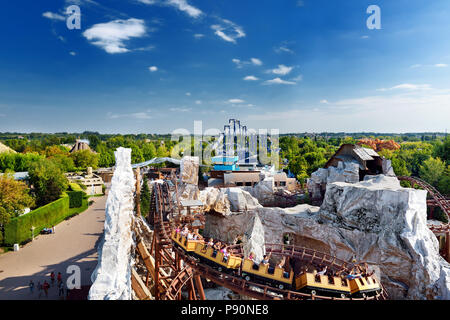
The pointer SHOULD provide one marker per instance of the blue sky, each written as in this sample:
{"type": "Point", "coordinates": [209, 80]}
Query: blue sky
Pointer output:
{"type": "Point", "coordinates": [154, 66]}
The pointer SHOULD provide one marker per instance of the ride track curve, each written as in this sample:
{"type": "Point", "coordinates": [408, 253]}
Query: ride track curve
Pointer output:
{"type": "Point", "coordinates": [163, 249]}
{"type": "Point", "coordinates": [438, 198]}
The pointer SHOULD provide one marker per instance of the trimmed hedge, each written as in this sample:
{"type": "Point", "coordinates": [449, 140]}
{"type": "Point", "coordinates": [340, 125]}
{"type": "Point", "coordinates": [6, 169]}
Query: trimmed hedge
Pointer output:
{"type": "Point", "coordinates": [75, 187]}
{"type": "Point", "coordinates": [75, 199]}
{"type": "Point", "coordinates": [18, 230]}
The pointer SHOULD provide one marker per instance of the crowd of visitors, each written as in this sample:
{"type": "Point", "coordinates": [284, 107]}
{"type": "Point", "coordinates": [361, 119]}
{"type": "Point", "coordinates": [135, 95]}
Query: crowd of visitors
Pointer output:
{"type": "Point", "coordinates": [44, 287]}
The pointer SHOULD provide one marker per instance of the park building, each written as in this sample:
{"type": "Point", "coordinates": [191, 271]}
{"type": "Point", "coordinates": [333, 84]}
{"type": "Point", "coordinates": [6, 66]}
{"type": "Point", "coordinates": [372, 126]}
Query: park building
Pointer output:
{"type": "Point", "coordinates": [92, 181]}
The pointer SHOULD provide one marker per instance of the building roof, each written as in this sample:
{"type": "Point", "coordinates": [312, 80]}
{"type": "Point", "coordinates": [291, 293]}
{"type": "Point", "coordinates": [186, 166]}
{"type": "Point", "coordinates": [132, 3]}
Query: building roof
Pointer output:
{"type": "Point", "coordinates": [80, 145]}
{"type": "Point", "coordinates": [363, 154]}
{"type": "Point", "coordinates": [191, 203]}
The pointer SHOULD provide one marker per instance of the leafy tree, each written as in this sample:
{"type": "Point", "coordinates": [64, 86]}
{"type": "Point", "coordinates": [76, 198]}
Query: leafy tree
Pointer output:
{"type": "Point", "coordinates": [145, 198]}
{"type": "Point", "coordinates": [48, 181]}
{"type": "Point", "coordinates": [148, 151]}
{"type": "Point", "coordinates": [85, 158]}
{"type": "Point", "coordinates": [14, 197]}
{"type": "Point", "coordinates": [443, 184]}
{"type": "Point", "coordinates": [432, 170]}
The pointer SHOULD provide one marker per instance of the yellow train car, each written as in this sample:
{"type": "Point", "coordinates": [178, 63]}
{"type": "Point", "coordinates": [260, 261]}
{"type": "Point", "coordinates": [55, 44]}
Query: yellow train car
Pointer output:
{"type": "Point", "coordinates": [262, 273]}
{"type": "Point", "coordinates": [364, 286]}
{"type": "Point", "coordinates": [207, 255]}
{"type": "Point", "coordinates": [321, 284]}
{"type": "Point", "coordinates": [187, 245]}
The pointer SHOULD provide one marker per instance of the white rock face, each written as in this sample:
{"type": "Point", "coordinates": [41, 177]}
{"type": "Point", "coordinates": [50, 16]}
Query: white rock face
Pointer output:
{"type": "Point", "coordinates": [216, 200]}
{"type": "Point", "coordinates": [112, 276]}
{"type": "Point", "coordinates": [254, 239]}
{"type": "Point", "coordinates": [189, 170]}
{"type": "Point", "coordinates": [376, 221]}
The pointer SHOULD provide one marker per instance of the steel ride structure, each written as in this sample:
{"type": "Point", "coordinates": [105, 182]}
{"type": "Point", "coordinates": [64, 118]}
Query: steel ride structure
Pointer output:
{"type": "Point", "coordinates": [173, 270]}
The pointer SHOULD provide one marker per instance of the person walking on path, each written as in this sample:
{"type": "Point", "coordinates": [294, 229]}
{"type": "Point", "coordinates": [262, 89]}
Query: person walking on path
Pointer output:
{"type": "Point", "coordinates": [52, 277]}
{"type": "Point", "coordinates": [59, 278]}
{"type": "Point", "coordinates": [39, 286]}
{"type": "Point", "coordinates": [31, 285]}
{"type": "Point", "coordinates": [46, 286]}
{"type": "Point", "coordinates": [53, 229]}
{"type": "Point", "coordinates": [61, 289]}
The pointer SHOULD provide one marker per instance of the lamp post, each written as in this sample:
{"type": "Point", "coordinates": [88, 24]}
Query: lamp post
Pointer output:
{"type": "Point", "coordinates": [32, 233]}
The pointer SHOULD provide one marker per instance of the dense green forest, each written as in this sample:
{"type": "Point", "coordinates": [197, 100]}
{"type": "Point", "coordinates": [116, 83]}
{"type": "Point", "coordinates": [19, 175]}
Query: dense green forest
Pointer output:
{"type": "Point", "coordinates": [426, 155]}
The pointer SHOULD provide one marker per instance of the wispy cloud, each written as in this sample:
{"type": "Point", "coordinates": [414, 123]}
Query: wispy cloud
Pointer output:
{"type": "Point", "coordinates": [111, 36]}
{"type": "Point", "coordinates": [441, 65]}
{"type": "Point", "coordinates": [407, 86]}
{"type": "Point", "coordinates": [182, 109]}
{"type": "Point", "coordinates": [251, 78]}
{"type": "Point", "coordinates": [72, 53]}
{"type": "Point", "coordinates": [437, 65]}
{"type": "Point", "coordinates": [198, 35]}
{"type": "Point", "coordinates": [283, 49]}
{"type": "Point", "coordinates": [228, 30]}
{"type": "Point", "coordinates": [134, 115]}
{"type": "Point", "coordinates": [278, 81]}
{"type": "Point", "coordinates": [184, 6]}
{"type": "Point", "coordinates": [256, 61]}
{"type": "Point", "coordinates": [234, 101]}
{"type": "Point", "coordinates": [153, 68]}
{"type": "Point", "coordinates": [253, 61]}
{"type": "Point", "coordinates": [181, 5]}
{"type": "Point", "coordinates": [282, 70]}
{"type": "Point", "coordinates": [53, 16]}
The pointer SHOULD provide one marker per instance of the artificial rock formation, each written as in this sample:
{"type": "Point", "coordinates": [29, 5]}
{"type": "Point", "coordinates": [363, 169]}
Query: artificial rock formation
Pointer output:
{"type": "Point", "coordinates": [112, 276]}
{"type": "Point", "coordinates": [375, 220]}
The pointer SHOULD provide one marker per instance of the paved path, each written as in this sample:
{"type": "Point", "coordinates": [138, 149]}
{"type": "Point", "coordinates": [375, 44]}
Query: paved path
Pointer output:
{"type": "Point", "coordinates": [74, 242]}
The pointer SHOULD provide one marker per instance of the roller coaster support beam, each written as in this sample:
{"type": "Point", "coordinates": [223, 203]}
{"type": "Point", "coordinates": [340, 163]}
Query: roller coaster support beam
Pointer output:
{"type": "Point", "coordinates": [138, 191]}
{"type": "Point", "coordinates": [198, 282]}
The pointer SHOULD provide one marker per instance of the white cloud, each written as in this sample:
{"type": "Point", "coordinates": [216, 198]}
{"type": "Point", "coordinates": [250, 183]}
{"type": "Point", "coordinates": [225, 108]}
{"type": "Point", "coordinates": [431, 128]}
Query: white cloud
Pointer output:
{"type": "Point", "coordinates": [180, 109]}
{"type": "Point", "coordinates": [324, 101]}
{"type": "Point", "coordinates": [416, 66]}
{"type": "Point", "coordinates": [407, 86]}
{"type": "Point", "coordinates": [282, 70]}
{"type": "Point", "coordinates": [110, 36]}
{"type": "Point", "coordinates": [251, 78]}
{"type": "Point", "coordinates": [283, 49]}
{"type": "Point", "coordinates": [236, 101]}
{"type": "Point", "coordinates": [441, 65]}
{"type": "Point", "coordinates": [53, 16]}
{"type": "Point", "coordinates": [198, 35]}
{"type": "Point", "coordinates": [278, 81]}
{"type": "Point", "coordinates": [365, 37]}
{"type": "Point", "coordinates": [134, 115]}
{"type": "Point", "coordinates": [185, 7]}
{"type": "Point", "coordinates": [417, 109]}
{"type": "Point", "coordinates": [198, 102]}
{"type": "Point", "coordinates": [228, 30]}
{"type": "Point", "coordinates": [188, 94]}
{"type": "Point", "coordinates": [72, 53]}
{"type": "Point", "coordinates": [256, 61]}
{"type": "Point", "coordinates": [153, 68]}
{"type": "Point", "coordinates": [297, 78]}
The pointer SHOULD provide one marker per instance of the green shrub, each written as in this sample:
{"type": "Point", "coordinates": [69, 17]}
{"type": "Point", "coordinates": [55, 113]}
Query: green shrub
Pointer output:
{"type": "Point", "coordinates": [75, 186]}
{"type": "Point", "coordinates": [18, 230]}
{"type": "Point", "coordinates": [75, 199]}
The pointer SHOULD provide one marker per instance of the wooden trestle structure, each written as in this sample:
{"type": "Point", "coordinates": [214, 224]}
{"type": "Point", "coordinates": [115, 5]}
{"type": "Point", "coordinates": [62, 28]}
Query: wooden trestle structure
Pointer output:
{"type": "Point", "coordinates": [172, 271]}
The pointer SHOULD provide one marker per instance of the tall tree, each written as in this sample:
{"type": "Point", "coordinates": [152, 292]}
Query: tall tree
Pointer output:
{"type": "Point", "coordinates": [14, 197]}
{"type": "Point", "coordinates": [48, 181]}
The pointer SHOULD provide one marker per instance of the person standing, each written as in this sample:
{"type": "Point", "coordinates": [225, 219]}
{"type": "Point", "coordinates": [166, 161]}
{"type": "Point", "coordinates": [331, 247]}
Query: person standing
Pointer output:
{"type": "Point", "coordinates": [52, 278]}
{"type": "Point", "coordinates": [46, 286]}
{"type": "Point", "coordinates": [59, 278]}
{"type": "Point", "coordinates": [31, 285]}
{"type": "Point", "coordinates": [53, 229]}
{"type": "Point", "coordinates": [61, 289]}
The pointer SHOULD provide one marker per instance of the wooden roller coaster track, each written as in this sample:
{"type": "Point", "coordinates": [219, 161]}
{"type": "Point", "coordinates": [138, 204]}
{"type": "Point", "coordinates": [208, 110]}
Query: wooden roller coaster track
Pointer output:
{"type": "Point", "coordinates": [175, 270]}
